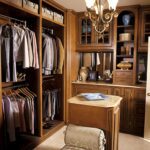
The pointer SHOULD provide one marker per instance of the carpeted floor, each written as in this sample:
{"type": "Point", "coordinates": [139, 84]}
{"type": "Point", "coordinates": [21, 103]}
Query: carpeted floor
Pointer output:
{"type": "Point", "coordinates": [126, 142]}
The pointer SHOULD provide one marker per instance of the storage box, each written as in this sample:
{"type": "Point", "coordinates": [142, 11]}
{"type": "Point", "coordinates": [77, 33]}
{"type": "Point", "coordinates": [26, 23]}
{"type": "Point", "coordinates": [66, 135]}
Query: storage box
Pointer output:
{"type": "Point", "coordinates": [125, 37]}
{"type": "Point", "coordinates": [59, 18]}
{"type": "Point", "coordinates": [47, 13]}
{"type": "Point", "coordinates": [16, 2]}
{"type": "Point", "coordinates": [30, 6]}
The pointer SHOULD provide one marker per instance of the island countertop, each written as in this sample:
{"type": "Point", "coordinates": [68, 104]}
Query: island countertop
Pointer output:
{"type": "Point", "coordinates": [109, 101]}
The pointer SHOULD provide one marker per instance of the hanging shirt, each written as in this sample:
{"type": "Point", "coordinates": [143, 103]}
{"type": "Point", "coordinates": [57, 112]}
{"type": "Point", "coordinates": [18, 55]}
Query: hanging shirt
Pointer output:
{"type": "Point", "coordinates": [6, 54]}
{"type": "Point", "coordinates": [9, 118]}
{"type": "Point", "coordinates": [48, 54]}
{"type": "Point", "coordinates": [61, 57]}
{"type": "Point", "coordinates": [20, 49]}
{"type": "Point", "coordinates": [34, 49]}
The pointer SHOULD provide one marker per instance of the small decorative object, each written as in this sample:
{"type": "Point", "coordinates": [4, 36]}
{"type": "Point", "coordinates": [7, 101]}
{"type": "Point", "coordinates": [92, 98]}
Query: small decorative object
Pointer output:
{"type": "Point", "coordinates": [84, 73]}
{"type": "Point", "coordinates": [124, 65]}
{"type": "Point", "coordinates": [93, 75]}
{"type": "Point", "coordinates": [123, 50]}
{"type": "Point", "coordinates": [128, 50]}
{"type": "Point", "coordinates": [126, 19]}
{"type": "Point", "coordinates": [125, 36]}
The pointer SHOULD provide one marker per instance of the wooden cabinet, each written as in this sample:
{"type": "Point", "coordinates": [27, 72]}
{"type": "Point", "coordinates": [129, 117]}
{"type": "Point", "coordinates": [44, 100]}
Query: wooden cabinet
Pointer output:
{"type": "Point", "coordinates": [144, 28]}
{"type": "Point", "coordinates": [101, 115]}
{"type": "Point", "coordinates": [132, 109]}
{"type": "Point", "coordinates": [139, 111]}
{"type": "Point", "coordinates": [88, 40]}
{"type": "Point", "coordinates": [54, 28]}
{"type": "Point", "coordinates": [120, 92]}
{"type": "Point", "coordinates": [132, 106]}
{"type": "Point", "coordinates": [36, 21]}
{"type": "Point", "coordinates": [126, 46]}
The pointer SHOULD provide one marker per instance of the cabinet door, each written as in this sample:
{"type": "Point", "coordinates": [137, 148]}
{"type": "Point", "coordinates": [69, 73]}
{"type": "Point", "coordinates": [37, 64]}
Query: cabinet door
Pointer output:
{"type": "Point", "coordinates": [126, 45]}
{"type": "Point", "coordinates": [120, 92]}
{"type": "Point", "coordinates": [106, 41]}
{"type": "Point", "coordinates": [139, 111]}
{"type": "Point", "coordinates": [144, 28]}
{"type": "Point", "coordinates": [88, 40]}
{"type": "Point", "coordinates": [128, 110]}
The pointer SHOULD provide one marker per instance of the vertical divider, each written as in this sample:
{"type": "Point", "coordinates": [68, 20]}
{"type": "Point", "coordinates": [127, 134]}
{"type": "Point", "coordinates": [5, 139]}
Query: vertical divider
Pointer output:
{"type": "Point", "coordinates": [40, 73]}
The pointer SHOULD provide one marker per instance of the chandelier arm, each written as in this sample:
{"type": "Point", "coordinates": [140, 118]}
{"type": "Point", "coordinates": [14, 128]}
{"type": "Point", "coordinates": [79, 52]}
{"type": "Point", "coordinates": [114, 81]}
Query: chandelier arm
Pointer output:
{"type": "Point", "coordinates": [100, 32]}
{"type": "Point", "coordinates": [110, 15]}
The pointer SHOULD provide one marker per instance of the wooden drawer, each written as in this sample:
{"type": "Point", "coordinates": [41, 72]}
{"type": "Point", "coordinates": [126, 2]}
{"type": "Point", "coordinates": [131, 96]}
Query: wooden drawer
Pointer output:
{"type": "Point", "coordinates": [123, 77]}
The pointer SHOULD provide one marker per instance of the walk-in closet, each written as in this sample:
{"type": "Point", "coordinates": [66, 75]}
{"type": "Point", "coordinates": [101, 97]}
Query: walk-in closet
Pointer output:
{"type": "Point", "coordinates": [32, 71]}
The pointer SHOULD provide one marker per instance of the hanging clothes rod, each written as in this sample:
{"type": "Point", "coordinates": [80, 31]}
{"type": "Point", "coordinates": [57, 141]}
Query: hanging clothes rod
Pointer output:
{"type": "Point", "coordinates": [48, 29]}
{"type": "Point", "coordinates": [16, 86]}
{"type": "Point", "coordinates": [11, 18]}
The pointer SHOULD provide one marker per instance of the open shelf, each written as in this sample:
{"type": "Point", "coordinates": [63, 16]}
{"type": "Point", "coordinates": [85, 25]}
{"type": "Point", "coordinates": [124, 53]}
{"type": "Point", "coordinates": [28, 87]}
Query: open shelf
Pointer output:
{"type": "Point", "coordinates": [53, 21]}
{"type": "Point", "coordinates": [125, 41]}
{"type": "Point", "coordinates": [125, 56]}
{"type": "Point", "coordinates": [17, 8]}
{"type": "Point", "coordinates": [125, 26]}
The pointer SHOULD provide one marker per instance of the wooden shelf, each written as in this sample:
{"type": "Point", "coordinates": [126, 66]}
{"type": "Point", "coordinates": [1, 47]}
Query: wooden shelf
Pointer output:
{"type": "Point", "coordinates": [125, 70]}
{"type": "Point", "coordinates": [123, 26]}
{"type": "Point", "coordinates": [48, 132]}
{"type": "Point", "coordinates": [147, 23]}
{"type": "Point", "coordinates": [147, 33]}
{"type": "Point", "coordinates": [53, 21]}
{"type": "Point", "coordinates": [19, 8]}
{"type": "Point", "coordinates": [125, 41]}
{"type": "Point", "coordinates": [54, 5]}
{"type": "Point", "coordinates": [125, 56]}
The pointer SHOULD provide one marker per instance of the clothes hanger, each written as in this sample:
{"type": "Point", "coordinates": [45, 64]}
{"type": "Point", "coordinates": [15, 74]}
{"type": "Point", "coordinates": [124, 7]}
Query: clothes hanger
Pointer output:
{"type": "Point", "coordinates": [28, 92]}
{"type": "Point", "coordinates": [21, 91]}
{"type": "Point", "coordinates": [17, 93]}
{"type": "Point", "coordinates": [12, 94]}
{"type": "Point", "coordinates": [31, 92]}
{"type": "Point", "coordinates": [4, 93]}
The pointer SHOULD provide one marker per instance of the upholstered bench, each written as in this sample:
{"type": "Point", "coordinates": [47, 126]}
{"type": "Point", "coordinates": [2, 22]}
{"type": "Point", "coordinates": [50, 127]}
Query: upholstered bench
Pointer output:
{"type": "Point", "coordinates": [83, 138]}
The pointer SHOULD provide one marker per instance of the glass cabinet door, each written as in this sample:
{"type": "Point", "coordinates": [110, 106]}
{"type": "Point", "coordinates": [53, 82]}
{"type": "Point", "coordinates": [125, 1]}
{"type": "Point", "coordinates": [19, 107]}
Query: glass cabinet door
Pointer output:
{"type": "Point", "coordinates": [105, 38]}
{"type": "Point", "coordinates": [144, 28]}
{"type": "Point", "coordinates": [125, 39]}
{"type": "Point", "coordinates": [85, 33]}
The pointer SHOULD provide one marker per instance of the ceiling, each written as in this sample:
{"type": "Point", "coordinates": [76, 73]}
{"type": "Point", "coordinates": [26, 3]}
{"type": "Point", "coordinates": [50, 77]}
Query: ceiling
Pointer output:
{"type": "Point", "coordinates": [79, 5]}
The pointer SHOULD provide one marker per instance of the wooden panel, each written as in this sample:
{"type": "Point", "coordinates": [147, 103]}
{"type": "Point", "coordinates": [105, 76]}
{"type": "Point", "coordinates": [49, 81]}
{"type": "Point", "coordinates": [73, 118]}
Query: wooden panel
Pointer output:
{"type": "Point", "coordinates": [139, 111]}
{"type": "Point", "coordinates": [116, 127]}
{"type": "Point", "coordinates": [72, 58]}
{"type": "Point", "coordinates": [77, 89]}
{"type": "Point", "coordinates": [1, 113]}
{"type": "Point", "coordinates": [128, 109]}
{"type": "Point", "coordinates": [81, 115]}
{"type": "Point", "coordinates": [120, 92]}
{"type": "Point", "coordinates": [123, 77]}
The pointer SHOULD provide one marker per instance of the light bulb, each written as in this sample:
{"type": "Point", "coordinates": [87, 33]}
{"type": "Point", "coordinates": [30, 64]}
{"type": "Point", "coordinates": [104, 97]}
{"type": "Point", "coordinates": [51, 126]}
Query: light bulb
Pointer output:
{"type": "Point", "coordinates": [112, 4]}
{"type": "Point", "coordinates": [89, 3]}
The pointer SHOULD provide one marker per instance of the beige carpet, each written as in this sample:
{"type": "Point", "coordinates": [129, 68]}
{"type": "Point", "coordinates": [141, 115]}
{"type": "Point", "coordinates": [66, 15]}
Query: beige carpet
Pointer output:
{"type": "Point", "coordinates": [126, 142]}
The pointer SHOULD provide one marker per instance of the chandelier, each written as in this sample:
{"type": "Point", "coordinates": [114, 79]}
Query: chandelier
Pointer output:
{"type": "Point", "coordinates": [101, 13]}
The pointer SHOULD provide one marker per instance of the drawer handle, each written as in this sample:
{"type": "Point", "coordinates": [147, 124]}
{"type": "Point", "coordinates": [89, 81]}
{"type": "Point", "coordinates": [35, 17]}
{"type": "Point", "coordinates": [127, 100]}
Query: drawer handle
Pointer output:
{"type": "Point", "coordinates": [148, 94]}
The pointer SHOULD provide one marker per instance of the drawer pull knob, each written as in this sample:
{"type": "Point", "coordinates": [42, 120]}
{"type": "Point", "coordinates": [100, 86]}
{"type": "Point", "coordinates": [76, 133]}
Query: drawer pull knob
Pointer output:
{"type": "Point", "coordinates": [148, 94]}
